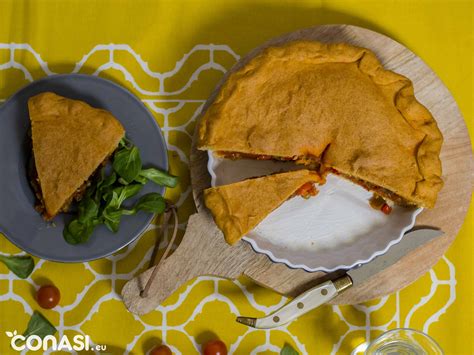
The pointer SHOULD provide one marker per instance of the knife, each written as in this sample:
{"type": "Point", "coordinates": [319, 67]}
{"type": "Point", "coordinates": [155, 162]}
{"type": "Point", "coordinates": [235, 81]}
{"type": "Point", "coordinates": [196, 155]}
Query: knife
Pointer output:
{"type": "Point", "coordinates": [326, 291]}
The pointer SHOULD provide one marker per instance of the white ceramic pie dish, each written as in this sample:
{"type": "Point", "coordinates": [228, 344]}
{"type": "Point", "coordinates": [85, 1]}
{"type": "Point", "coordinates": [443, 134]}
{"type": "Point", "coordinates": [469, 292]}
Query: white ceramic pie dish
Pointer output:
{"type": "Point", "coordinates": [337, 229]}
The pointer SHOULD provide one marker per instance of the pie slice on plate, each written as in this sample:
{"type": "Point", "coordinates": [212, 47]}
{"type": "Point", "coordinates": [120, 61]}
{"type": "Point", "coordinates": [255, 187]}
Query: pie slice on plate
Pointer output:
{"type": "Point", "coordinates": [70, 141]}
{"type": "Point", "coordinates": [239, 207]}
{"type": "Point", "coordinates": [334, 106]}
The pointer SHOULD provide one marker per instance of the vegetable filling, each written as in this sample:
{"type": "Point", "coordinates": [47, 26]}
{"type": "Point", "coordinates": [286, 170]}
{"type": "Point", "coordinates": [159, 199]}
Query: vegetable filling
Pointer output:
{"type": "Point", "coordinates": [36, 186]}
{"type": "Point", "coordinates": [307, 190]}
{"type": "Point", "coordinates": [380, 193]}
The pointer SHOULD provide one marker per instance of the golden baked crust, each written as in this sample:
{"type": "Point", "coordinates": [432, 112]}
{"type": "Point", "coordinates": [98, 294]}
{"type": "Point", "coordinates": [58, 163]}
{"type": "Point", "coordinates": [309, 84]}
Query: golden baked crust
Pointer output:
{"type": "Point", "coordinates": [70, 140]}
{"type": "Point", "coordinates": [334, 102]}
{"type": "Point", "coordinates": [238, 208]}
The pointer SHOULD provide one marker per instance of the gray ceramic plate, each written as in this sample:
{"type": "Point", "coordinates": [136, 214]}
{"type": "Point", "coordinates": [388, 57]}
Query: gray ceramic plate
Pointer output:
{"type": "Point", "coordinates": [19, 222]}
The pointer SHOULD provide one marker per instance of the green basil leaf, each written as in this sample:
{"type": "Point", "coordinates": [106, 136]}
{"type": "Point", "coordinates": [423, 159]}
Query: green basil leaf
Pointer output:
{"type": "Point", "coordinates": [112, 198]}
{"type": "Point", "coordinates": [98, 183]}
{"type": "Point", "coordinates": [129, 212]}
{"type": "Point", "coordinates": [122, 181]}
{"type": "Point", "coordinates": [111, 218]}
{"type": "Point", "coordinates": [21, 266]}
{"type": "Point", "coordinates": [108, 181]}
{"type": "Point", "coordinates": [127, 163]}
{"type": "Point", "coordinates": [140, 179]}
{"type": "Point", "coordinates": [39, 325]}
{"type": "Point", "coordinates": [100, 179]}
{"type": "Point", "coordinates": [288, 350]}
{"type": "Point", "coordinates": [76, 232]}
{"type": "Point", "coordinates": [119, 194]}
{"type": "Point", "coordinates": [129, 191]}
{"type": "Point", "coordinates": [123, 142]}
{"type": "Point", "coordinates": [159, 177]}
{"type": "Point", "coordinates": [112, 224]}
{"type": "Point", "coordinates": [105, 187]}
{"type": "Point", "coordinates": [107, 196]}
{"type": "Point", "coordinates": [87, 209]}
{"type": "Point", "coordinates": [103, 200]}
{"type": "Point", "coordinates": [152, 202]}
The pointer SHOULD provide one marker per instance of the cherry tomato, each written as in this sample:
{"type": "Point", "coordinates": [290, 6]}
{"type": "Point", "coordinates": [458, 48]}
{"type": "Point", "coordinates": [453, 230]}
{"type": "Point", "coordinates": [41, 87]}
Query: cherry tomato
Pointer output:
{"type": "Point", "coordinates": [161, 350]}
{"type": "Point", "coordinates": [215, 347]}
{"type": "Point", "coordinates": [48, 296]}
{"type": "Point", "coordinates": [386, 209]}
{"type": "Point", "coordinates": [307, 190]}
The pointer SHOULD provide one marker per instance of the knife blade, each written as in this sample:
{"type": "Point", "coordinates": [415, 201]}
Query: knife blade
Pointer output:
{"type": "Point", "coordinates": [326, 291]}
{"type": "Point", "coordinates": [409, 242]}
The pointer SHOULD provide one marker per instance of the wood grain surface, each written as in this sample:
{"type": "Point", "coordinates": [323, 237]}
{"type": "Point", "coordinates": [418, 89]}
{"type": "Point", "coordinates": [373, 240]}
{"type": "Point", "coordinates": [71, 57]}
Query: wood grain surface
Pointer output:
{"type": "Point", "coordinates": [203, 250]}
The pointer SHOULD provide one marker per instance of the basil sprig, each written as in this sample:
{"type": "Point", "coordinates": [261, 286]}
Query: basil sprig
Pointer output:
{"type": "Point", "coordinates": [288, 350]}
{"type": "Point", "coordinates": [20, 265]}
{"type": "Point", "coordinates": [102, 202]}
{"type": "Point", "coordinates": [127, 163]}
{"type": "Point", "coordinates": [38, 325]}
{"type": "Point", "coordinates": [158, 177]}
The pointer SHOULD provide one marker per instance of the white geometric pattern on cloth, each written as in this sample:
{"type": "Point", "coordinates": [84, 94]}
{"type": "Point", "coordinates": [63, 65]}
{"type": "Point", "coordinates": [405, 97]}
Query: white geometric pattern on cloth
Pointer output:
{"type": "Point", "coordinates": [154, 106]}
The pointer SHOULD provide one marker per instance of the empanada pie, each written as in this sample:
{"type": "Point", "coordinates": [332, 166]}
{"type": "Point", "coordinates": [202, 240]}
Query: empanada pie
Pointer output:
{"type": "Point", "coordinates": [70, 141]}
{"type": "Point", "coordinates": [238, 208]}
{"type": "Point", "coordinates": [332, 105]}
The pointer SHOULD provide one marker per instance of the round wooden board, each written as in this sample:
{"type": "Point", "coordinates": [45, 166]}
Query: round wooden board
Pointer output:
{"type": "Point", "coordinates": [453, 201]}
{"type": "Point", "coordinates": [203, 250]}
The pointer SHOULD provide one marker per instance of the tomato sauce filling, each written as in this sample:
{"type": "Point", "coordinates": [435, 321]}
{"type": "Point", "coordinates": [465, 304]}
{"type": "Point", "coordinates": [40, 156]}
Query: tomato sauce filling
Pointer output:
{"type": "Point", "coordinates": [380, 193]}
{"type": "Point", "coordinates": [235, 156]}
{"type": "Point", "coordinates": [307, 190]}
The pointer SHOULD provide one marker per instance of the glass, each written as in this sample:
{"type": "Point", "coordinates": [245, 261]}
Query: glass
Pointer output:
{"type": "Point", "coordinates": [404, 341]}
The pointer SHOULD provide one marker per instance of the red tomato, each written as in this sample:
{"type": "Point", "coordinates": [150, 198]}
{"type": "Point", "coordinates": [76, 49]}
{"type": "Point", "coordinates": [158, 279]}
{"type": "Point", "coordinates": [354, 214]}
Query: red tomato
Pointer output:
{"type": "Point", "coordinates": [161, 350]}
{"type": "Point", "coordinates": [215, 347]}
{"type": "Point", "coordinates": [386, 209]}
{"type": "Point", "coordinates": [48, 296]}
{"type": "Point", "coordinates": [307, 190]}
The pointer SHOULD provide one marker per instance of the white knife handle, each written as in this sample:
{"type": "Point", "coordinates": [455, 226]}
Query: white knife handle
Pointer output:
{"type": "Point", "coordinates": [304, 303]}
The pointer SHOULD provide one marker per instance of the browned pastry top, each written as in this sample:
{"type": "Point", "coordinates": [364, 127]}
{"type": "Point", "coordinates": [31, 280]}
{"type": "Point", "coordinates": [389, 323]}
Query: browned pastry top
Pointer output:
{"type": "Point", "coordinates": [70, 140]}
{"type": "Point", "coordinates": [333, 102]}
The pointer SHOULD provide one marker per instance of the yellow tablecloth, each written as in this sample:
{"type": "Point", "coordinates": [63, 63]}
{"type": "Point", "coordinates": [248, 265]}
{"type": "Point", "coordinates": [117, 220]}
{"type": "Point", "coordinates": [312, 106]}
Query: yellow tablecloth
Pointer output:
{"type": "Point", "coordinates": [171, 54]}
